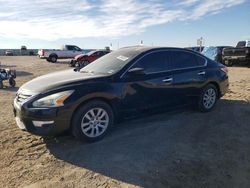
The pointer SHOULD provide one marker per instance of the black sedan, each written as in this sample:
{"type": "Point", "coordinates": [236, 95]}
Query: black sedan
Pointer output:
{"type": "Point", "coordinates": [124, 82]}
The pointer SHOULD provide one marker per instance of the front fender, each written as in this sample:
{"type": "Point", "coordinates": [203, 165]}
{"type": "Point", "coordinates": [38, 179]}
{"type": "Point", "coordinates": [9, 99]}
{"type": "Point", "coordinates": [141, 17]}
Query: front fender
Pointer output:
{"type": "Point", "coordinates": [106, 92]}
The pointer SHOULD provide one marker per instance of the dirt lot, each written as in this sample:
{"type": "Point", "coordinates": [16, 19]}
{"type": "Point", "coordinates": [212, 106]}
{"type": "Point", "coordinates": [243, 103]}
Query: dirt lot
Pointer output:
{"type": "Point", "coordinates": [174, 149]}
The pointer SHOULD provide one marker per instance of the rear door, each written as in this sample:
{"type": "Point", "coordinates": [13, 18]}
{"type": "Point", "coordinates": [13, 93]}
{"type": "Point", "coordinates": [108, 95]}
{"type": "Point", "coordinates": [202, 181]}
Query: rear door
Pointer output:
{"type": "Point", "coordinates": [189, 70]}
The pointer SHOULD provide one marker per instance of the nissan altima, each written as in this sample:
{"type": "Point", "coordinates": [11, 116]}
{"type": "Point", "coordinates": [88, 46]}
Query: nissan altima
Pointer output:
{"type": "Point", "coordinates": [125, 82]}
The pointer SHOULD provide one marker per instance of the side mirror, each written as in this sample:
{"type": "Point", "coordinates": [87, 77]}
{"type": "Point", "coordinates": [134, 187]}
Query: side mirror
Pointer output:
{"type": "Point", "coordinates": [136, 71]}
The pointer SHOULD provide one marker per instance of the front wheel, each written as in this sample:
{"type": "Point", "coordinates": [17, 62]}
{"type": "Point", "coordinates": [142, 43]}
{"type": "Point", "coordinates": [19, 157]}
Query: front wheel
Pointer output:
{"type": "Point", "coordinates": [92, 121]}
{"type": "Point", "coordinates": [208, 98]}
{"type": "Point", "coordinates": [81, 64]}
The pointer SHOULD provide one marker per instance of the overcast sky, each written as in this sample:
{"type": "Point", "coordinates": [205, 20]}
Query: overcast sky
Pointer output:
{"type": "Point", "coordinates": [99, 23]}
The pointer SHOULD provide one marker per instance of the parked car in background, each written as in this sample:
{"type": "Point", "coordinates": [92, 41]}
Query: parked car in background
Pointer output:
{"type": "Point", "coordinates": [214, 52]}
{"type": "Point", "coordinates": [196, 48]}
{"type": "Point", "coordinates": [239, 54]}
{"type": "Point", "coordinates": [84, 59]}
{"type": "Point", "coordinates": [67, 51]}
{"type": "Point", "coordinates": [9, 53]}
{"type": "Point", "coordinates": [121, 83]}
{"type": "Point", "coordinates": [25, 51]}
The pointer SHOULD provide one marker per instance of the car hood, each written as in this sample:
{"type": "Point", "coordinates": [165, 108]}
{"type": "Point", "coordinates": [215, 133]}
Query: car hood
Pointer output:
{"type": "Point", "coordinates": [55, 80]}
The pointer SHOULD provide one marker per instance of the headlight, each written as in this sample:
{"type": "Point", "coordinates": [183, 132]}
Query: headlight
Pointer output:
{"type": "Point", "coordinates": [54, 100]}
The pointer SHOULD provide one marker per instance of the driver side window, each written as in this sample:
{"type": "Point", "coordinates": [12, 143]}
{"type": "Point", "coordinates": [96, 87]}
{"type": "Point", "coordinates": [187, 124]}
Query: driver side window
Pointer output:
{"type": "Point", "coordinates": [154, 62]}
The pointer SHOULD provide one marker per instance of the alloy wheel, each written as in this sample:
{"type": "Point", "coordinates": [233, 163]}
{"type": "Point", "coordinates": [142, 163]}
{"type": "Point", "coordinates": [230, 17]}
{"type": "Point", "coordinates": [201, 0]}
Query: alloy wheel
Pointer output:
{"type": "Point", "coordinates": [95, 122]}
{"type": "Point", "coordinates": [209, 98]}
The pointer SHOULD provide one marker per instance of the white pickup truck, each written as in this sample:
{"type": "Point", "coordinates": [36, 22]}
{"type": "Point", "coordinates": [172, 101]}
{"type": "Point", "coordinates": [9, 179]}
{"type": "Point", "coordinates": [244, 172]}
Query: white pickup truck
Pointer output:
{"type": "Point", "coordinates": [67, 51]}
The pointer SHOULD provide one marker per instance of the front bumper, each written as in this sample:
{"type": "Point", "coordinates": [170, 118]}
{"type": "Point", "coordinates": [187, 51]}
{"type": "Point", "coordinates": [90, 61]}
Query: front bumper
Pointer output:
{"type": "Point", "coordinates": [44, 122]}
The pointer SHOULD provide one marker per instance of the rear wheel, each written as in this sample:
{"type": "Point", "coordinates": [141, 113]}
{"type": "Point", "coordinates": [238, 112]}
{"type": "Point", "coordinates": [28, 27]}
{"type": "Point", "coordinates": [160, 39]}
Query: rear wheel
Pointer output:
{"type": "Point", "coordinates": [208, 98]}
{"type": "Point", "coordinates": [12, 82]}
{"type": "Point", "coordinates": [92, 121]}
{"type": "Point", "coordinates": [53, 58]}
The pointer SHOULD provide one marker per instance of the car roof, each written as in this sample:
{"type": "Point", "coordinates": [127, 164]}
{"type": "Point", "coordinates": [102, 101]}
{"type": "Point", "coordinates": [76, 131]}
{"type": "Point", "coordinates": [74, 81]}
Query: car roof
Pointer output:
{"type": "Point", "coordinates": [218, 46]}
{"type": "Point", "coordinates": [141, 48]}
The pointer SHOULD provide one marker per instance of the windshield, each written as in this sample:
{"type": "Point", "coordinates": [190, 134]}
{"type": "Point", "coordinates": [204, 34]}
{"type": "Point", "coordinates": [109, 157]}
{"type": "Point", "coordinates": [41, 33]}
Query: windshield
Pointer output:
{"type": "Point", "coordinates": [210, 52]}
{"type": "Point", "coordinates": [112, 62]}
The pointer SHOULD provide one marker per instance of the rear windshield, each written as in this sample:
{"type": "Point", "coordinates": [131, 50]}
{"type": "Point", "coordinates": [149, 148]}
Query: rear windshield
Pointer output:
{"type": "Point", "coordinates": [112, 62]}
{"type": "Point", "coordinates": [241, 44]}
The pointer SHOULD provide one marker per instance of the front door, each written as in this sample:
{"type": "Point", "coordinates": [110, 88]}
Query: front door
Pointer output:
{"type": "Point", "coordinates": [154, 88]}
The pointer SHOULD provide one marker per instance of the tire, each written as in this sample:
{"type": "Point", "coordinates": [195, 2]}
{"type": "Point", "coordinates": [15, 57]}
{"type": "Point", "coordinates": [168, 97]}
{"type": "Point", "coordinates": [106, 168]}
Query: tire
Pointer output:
{"type": "Point", "coordinates": [208, 98]}
{"type": "Point", "coordinates": [86, 128]}
{"type": "Point", "coordinates": [81, 64]}
{"type": "Point", "coordinates": [1, 84]}
{"type": "Point", "coordinates": [229, 63]}
{"type": "Point", "coordinates": [12, 82]}
{"type": "Point", "coordinates": [78, 64]}
{"type": "Point", "coordinates": [53, 58]}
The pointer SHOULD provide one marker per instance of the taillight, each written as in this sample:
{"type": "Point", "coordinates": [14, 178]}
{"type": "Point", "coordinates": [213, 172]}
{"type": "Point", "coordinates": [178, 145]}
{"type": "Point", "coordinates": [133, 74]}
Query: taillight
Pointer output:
{"type": "Point", "coordinates": [225, 70]}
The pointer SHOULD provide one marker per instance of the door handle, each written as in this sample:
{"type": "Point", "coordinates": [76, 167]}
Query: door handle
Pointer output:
{"type": "Point", "coordinates": [168, 80]}
{"type": "Point", "coordinates": [202, 73]}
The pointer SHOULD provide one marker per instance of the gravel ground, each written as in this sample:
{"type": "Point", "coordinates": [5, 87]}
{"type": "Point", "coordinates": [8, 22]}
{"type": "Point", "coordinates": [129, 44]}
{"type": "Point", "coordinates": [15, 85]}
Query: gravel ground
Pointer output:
{"type": "Point", "coordinates": [174, 149]}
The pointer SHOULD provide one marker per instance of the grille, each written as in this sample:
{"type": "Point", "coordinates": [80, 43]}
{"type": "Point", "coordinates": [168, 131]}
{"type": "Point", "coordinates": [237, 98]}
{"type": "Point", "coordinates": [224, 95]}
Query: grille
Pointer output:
{"type": "Point", "coordinates": [232, 52]}
{"type": "Point", "coordinates": [22, 97]}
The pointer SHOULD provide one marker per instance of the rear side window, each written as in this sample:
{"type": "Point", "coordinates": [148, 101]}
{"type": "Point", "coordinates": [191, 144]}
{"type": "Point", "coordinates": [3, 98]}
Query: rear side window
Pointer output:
{"type": "Point", "coordinates": [155, 62]}
{"type": "Point", "coordinates": [200, 60]}
{"type": "Point", "coordinates": [241, 44]}
{"type": "Point", "coordinates": [70, 47]}
{"type": "Point", "coordinates": [182, 59]}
